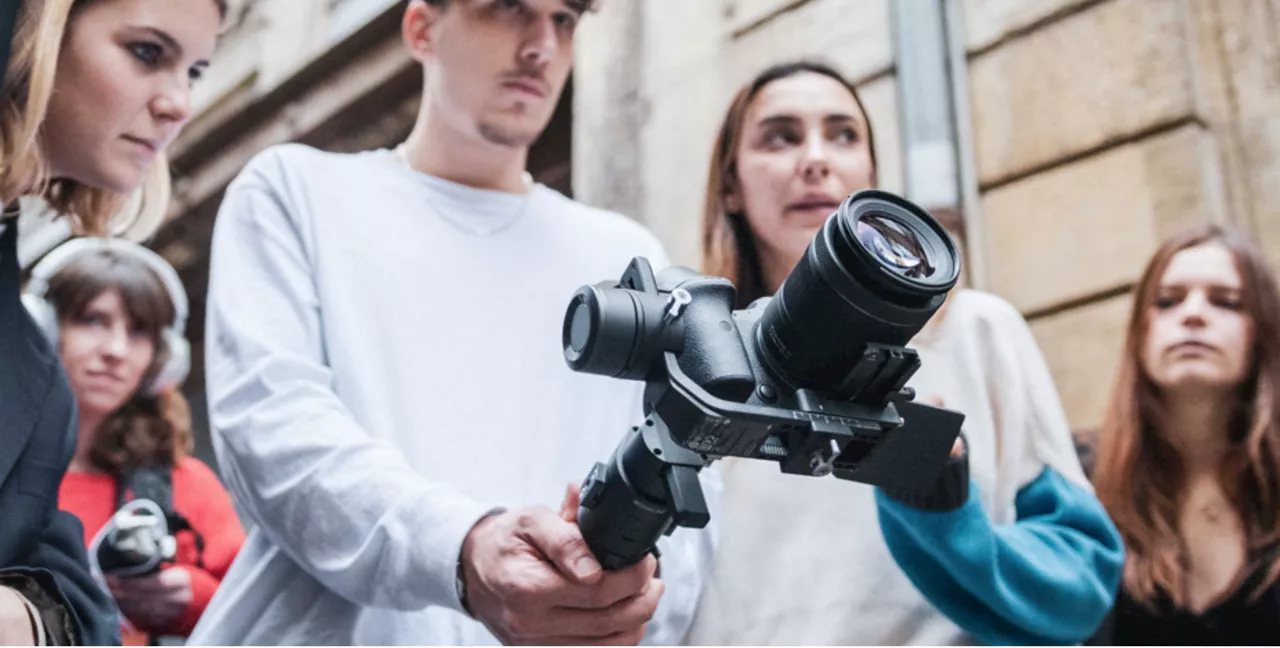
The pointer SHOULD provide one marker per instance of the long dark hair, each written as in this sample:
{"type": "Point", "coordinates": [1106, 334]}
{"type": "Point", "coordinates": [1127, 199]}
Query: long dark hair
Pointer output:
{"type": "Point", "coordinates": [727, 246]}
{"type": "Point", "coordinates": [1139, 476]}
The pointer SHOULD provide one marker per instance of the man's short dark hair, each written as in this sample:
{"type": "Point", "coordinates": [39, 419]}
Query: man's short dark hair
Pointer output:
{"type": "Point", "coordinates": [580, 6]}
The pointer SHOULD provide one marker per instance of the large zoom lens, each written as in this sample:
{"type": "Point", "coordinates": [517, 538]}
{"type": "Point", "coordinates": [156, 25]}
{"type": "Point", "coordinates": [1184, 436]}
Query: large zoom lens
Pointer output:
{"type": "Point", "coordinates": [876, 272]}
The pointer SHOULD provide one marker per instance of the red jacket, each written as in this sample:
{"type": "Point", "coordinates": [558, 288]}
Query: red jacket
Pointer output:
{"type": "Point", "coordinates": [197, 496]}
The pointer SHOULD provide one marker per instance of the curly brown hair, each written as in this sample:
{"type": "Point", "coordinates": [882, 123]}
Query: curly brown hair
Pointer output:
{"type": "Point", "coordinates": [147, 430]}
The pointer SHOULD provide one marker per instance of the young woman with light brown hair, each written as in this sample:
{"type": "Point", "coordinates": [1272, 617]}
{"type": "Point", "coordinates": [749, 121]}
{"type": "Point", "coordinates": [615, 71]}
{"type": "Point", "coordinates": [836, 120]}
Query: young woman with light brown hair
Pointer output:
{"type": "Point", "coordinates": [1188, 463]}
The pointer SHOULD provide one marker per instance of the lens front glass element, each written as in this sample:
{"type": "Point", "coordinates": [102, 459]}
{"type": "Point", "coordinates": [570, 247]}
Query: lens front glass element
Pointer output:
{"type": "Point", "coordinates": [894, 245]}
{"type": "Point", "coordinates": [580, 326]}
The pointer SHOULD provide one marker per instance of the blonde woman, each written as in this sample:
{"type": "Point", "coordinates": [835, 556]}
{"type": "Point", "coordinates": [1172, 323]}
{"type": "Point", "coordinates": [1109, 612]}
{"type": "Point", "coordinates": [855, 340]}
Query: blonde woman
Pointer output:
{"type": "Point", "coordinates": [94, 90]}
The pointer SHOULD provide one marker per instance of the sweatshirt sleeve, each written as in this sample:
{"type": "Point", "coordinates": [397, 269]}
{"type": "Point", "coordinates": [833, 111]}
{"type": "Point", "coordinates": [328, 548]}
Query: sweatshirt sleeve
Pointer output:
{"type": "Point", "coordinates": [1051, 576]}
{"type": "Point", "coordinates": [207, 507]}
{"type": "Point", "coordinates": [345, 506]}
{"type": "Point", "coordinates": [1048, 578]}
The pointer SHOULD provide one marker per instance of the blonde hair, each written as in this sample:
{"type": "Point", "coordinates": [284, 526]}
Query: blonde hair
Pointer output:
{"type": "Point", "coordinates": [24, 103]}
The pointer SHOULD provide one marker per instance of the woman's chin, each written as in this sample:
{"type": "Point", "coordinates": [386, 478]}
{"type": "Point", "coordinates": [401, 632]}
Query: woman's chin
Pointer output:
{"type": "Point", "coordinates": [1196, 380]}
{"type": "Point", "coordinates": [100, 404]}
{"type": "Point", "coordinates": [123, 177]}
{"type": "Point", "coordinates": [803, 233]}
{"type": "Point", "coordinates": [124, 184]}
{"type": "Point", "coordinates": [812, 218]}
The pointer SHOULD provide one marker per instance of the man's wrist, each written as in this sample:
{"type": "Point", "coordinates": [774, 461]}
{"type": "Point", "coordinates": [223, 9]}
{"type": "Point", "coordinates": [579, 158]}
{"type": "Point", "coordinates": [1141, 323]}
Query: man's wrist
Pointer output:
{"type": "Point", "coordinates": [460, 588]}
{"type": "Point", "coordinates": [461, 572]}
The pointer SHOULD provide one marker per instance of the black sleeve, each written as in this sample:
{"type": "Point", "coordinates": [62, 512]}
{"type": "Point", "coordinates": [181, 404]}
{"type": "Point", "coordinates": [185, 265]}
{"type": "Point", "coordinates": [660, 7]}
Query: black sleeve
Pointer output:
{"type": "Point", "coordinates": [57, 560]}
{"type": "Point", "coordinates": [1106, 632]}
{"type": "Point", "coordinates": [74, 607]}
{"type": "Point", "coordinates": [949, 493]}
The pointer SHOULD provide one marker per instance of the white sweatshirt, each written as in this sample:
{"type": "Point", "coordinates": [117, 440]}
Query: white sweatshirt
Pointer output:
{"type": "Point", "coordinates": [803, 561]}
{"type": "Point", "coordinates": [379, 379]}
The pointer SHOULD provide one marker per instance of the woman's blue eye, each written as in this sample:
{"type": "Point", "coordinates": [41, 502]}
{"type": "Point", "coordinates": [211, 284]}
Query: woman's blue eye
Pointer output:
{"type": "Point", "coordinates": [148, 53]}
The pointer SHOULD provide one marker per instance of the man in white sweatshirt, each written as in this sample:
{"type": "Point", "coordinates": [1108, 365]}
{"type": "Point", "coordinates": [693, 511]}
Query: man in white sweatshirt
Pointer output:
{"type": "Point", "coordinates": [387, 392]}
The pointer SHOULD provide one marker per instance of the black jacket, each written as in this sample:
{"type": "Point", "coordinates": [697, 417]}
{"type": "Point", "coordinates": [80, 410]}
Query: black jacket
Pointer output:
{"type": "Point", "coordinates": [38, 543]}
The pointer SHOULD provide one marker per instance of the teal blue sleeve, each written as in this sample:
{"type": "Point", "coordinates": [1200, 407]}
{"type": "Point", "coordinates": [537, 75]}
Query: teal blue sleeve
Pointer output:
{"type": "Point", "coordinates": [1049, 578]}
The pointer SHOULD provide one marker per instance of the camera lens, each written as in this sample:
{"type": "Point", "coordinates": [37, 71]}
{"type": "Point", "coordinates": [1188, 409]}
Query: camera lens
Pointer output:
{"type": "Point", "coordinates": [877, 270]}
{"type": "Point", "coordinates": [579, 325]}
{"type": "Point", "coordinates": [894, 244]}
{"type": "Point", "coordinates": [606, 331]}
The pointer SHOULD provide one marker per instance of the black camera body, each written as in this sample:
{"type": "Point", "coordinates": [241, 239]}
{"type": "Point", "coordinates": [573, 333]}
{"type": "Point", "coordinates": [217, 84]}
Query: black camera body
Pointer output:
{"type": "Point", "coordinates": [137, 543]}
{"type": "Point", "coordinates": [141, 536]}
{"type": "Point", "coordinates": [813, 378]}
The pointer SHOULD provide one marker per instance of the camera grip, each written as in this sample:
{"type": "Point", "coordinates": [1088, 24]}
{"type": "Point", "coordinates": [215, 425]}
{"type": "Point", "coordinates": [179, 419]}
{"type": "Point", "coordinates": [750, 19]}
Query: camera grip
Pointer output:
{"type": "Point", "coordinates": [619, 525]}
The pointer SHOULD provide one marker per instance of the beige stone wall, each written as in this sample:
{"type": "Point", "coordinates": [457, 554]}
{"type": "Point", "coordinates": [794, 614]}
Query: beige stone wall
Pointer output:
{"type": "Point", "coordinates": [1077, 84]}
{"type": "Point", "coordinates": [1237, 53]}
{"type": "Point", "coordinates": [1088, 227]}
{"type": "Point", "coordinates": [1099, 128]}
{"type": "Point", "coordinates": [1082, 348]}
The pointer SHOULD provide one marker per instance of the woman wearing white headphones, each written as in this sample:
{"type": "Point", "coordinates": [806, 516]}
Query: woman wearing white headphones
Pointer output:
{"type": "Point", "coordinates": [115, 311]}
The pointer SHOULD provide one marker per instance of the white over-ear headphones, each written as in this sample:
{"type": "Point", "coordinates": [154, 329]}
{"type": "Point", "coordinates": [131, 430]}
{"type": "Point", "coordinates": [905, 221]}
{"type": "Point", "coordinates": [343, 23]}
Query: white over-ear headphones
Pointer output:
{"type": "Point", "coordinates": [42, 310]}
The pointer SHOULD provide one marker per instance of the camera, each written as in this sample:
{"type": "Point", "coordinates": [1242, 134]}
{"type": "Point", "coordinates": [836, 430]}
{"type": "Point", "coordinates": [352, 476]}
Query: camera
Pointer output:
{"type": "Point", "coordinates": [136, 541]}
{"type": "Point", "coordinates": [813, 378]}
{"type": "Point", "coordinates": [140, 537]}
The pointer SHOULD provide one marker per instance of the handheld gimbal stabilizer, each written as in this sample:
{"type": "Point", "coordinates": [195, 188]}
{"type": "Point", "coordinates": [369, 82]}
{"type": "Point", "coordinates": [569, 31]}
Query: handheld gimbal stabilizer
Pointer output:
{"type": "Point", "coordinates": [812, 378]}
